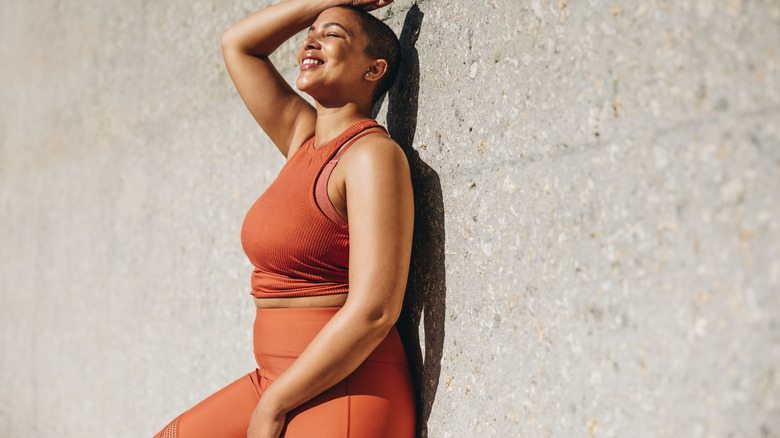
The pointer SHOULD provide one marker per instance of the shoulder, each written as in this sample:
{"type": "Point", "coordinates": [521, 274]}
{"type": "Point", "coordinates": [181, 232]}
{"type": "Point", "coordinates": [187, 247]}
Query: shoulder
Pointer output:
{"type": "Point", "coordinates": [378, 185]}
{"type": "Point", "coordinates": [375, 153]}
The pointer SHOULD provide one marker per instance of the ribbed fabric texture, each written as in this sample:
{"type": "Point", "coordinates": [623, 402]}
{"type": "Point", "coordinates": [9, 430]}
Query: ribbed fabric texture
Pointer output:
{"type": "Point", "coordinates": [297, 250]}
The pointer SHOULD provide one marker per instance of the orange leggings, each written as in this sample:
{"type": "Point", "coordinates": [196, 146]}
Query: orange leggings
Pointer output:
{"type": "Point", "coordinates": [375, 401]}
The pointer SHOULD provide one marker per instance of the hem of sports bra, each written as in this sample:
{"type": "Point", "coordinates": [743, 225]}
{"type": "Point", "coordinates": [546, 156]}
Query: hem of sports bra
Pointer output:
{"type": "Point", "coordinates": [376, 361]}
{"type": "Point", "coordinates": [294, 294]}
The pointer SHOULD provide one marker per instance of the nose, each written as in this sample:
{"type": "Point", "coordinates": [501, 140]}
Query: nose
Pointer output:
{"type": "Point", "coordinates": [311, 42]}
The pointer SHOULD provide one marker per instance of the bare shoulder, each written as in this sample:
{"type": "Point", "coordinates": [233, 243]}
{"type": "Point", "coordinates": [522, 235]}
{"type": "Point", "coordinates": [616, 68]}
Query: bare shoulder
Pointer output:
{"type": "Point", "coordinates": [378, 191]}
{"type": "Point", "coordinates": [376, 155]}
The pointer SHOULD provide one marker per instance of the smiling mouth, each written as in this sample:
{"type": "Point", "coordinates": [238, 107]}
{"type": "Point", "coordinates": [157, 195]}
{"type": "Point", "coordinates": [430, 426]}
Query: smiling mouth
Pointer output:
{"type": "Point", "coordinates": [308, 61]}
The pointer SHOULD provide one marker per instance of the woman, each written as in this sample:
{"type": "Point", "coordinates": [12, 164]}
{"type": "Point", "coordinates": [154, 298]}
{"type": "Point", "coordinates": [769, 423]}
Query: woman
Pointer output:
{"type": "Point", "coordinates": [330, 239]}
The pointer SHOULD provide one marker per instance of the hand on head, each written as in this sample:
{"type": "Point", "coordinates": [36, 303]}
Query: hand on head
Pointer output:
{"type": "Point", "coordinates": [370, 5]}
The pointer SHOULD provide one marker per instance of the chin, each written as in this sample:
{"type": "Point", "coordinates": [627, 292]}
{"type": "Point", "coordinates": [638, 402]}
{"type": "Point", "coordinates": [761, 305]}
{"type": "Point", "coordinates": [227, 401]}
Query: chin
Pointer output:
{"type": "Point", "coordinates": [307, 87]}
{"type": "Point", "coordinates": [303, 85]}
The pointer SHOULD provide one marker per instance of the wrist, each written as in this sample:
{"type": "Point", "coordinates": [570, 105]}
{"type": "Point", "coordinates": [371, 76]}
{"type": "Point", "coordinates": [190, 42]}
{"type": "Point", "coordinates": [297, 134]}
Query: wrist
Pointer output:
{"type": "Point", "coordinates": [270, 405]}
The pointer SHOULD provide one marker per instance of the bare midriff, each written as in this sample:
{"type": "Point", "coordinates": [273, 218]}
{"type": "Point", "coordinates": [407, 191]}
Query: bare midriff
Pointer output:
{"type": "Point", "coordinates": [335, 300]}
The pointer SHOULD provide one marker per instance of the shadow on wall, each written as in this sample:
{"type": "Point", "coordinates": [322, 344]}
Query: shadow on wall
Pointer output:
{"type": "Point", "coordinates": [426, 288]}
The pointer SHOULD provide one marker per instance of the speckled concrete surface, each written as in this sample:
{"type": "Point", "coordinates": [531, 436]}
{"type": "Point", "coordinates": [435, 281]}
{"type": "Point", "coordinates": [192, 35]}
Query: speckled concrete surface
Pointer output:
{"type": "Point", "coordinates": [597, 250]}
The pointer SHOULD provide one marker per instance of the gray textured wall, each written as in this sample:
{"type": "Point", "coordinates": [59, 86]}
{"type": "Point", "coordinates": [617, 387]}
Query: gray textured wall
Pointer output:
{"type": "Point", "coordinates": [598, 245]}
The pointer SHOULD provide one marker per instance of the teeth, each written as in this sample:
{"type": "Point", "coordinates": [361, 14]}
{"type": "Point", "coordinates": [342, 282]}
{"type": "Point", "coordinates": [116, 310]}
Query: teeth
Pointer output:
{"type": "Point", "coordinates": [312, 61]}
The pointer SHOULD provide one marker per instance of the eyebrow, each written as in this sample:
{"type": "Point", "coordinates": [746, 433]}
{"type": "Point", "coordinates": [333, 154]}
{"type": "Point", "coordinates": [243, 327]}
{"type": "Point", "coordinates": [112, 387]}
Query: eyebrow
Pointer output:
{"type": "Point", "coordinates": [332, 24]}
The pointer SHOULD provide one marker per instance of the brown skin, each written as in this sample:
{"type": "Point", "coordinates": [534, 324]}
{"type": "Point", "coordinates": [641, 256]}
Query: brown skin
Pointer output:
{"type": "Point", "coordinates": [371, 185]}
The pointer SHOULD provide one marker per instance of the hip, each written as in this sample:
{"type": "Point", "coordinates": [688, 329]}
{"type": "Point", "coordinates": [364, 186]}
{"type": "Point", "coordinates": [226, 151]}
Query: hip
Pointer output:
{"type": "Point", "coordinates": [281, 334]}
{"type": "Point", "coordinates": [376, 400]}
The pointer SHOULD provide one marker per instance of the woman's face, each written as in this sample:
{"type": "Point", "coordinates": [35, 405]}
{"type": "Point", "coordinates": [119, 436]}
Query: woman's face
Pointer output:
{"type": "Point", "coordinates": [332, 59]}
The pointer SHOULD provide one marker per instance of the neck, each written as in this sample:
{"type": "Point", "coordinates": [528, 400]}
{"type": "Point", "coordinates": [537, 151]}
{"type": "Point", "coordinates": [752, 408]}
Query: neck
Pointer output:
{"type": "Point", "coordinates": [333, 121]}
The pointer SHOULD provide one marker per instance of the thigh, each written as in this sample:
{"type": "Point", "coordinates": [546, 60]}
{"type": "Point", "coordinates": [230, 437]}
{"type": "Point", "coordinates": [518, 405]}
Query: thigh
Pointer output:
{"type": "Point", "coordinates": [382, 402]}
{"type": "Point", "coordinates": [225, 414]}
{"type": "Point", "coordinates": [376, 401]}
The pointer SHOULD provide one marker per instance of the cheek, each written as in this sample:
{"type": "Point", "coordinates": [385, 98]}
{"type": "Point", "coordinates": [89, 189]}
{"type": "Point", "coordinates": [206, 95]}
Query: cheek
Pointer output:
{"type": "Point", "coordinates": [348, 63]}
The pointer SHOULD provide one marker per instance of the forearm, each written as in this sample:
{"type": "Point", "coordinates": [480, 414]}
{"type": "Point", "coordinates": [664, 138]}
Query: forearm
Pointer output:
{"type": "Point", "coordinates": [264, 31]}
{"type": "Point", "coordinates": [340, 347]}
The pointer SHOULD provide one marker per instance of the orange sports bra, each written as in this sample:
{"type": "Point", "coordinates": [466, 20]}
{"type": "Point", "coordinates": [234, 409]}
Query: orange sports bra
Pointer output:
{"type": "Point", "coordinates": [292, 235]}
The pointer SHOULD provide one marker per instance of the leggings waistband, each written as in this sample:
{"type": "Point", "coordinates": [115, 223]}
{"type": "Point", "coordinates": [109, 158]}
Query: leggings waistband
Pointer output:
{"type": "Point", "coordinates": [283, 333]}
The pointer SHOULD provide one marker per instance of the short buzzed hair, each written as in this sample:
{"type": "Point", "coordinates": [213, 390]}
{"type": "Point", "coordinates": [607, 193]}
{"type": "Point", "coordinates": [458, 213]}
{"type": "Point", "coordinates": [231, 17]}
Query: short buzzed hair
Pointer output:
{"type": "Point", "coordinates": [381, 44]}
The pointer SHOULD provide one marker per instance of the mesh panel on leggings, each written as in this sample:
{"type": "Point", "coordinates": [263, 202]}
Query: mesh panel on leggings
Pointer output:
{"type": "Point", "coordinates": [170, 429]}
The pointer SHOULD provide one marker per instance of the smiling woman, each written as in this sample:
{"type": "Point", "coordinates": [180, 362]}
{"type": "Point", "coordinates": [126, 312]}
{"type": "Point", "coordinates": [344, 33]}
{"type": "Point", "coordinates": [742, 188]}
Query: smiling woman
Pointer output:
{"type": "Point", "coordinates": [330, 239]}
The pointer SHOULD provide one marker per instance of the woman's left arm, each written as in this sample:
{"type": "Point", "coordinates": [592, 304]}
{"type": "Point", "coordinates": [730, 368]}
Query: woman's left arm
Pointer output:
{"type": "Point", "coordinates": [380, 208]}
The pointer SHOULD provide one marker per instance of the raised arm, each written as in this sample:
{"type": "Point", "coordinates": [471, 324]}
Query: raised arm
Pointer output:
{"type": "Point", "coordinates": [380, 207]}
{"type": "Point", "coordinates": [283, 114]}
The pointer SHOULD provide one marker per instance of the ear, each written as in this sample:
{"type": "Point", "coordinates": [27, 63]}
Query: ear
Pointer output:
{"type": "Point", "coordinates": [376, 70]}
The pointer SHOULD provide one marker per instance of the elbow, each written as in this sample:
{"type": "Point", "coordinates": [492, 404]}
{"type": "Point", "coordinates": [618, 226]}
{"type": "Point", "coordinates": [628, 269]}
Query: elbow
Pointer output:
{"type": "Point", "coordinates": [378, 320]}
{"type": "Point", "coordinates": [233, 39]}
{"type": "Point", "coordinates": [228, 38]}
{"type": "Point", "coordinates": [385, 322]}
{"type": "Point", "coordinates": [235, 42]}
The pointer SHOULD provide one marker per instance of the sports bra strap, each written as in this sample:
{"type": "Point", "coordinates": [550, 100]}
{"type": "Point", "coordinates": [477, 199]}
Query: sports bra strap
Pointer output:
{"type": "Point", "coordinates": [354, 139]}
{"type": "Point", "coordinates": [321, 186]}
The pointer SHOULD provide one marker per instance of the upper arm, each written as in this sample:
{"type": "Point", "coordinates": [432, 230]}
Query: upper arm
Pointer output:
{"type": "Point", "coordinates": [380, 206]}
{"type": "Point", "coordinates": [281, 112]}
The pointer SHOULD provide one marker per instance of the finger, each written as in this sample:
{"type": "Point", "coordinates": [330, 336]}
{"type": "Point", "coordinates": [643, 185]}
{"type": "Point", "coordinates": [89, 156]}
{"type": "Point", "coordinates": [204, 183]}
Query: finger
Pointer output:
{"type": "Point", "coordinates": [382, 3]}
{"type": "Point", "coordinates": [372, 4]}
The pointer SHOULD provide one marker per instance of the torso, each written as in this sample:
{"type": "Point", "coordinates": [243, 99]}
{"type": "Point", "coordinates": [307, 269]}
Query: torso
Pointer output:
{"type": "Point", "coordinates": [335, 193]}
{"type": "Point", "coordinates": [335, 300]}
{"type": "Point", "coordinates": [335, 189]}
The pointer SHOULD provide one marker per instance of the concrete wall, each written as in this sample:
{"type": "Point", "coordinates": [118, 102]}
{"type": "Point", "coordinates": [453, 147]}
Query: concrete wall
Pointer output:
{"type": "Point", "coordinates": [598, 246]}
